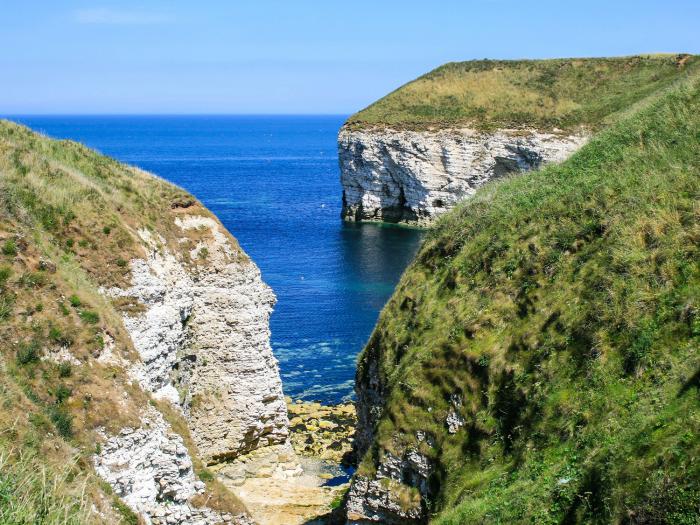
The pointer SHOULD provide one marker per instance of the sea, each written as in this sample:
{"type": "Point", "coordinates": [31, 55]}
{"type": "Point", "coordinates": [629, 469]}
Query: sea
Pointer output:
{"type": "Point", "coordinates": [274, 182]}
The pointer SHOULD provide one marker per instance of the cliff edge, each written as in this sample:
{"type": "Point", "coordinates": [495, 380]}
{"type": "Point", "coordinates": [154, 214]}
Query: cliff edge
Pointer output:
{"type": "Point", "coordinates": [416, 153]}
{"type": "Point", "coordinates": [135, 340]}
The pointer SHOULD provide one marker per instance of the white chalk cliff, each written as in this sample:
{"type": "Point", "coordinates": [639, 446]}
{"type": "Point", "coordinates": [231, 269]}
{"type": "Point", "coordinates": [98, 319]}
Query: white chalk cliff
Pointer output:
{"type": "Point", "coordinates": [408, 176]}
{"type": "Point", "coordinates": [202, 332]}
{"type": "Point", "coordinates": [151, 470]}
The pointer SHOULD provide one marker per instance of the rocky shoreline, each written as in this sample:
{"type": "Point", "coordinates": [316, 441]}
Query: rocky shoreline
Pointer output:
{"type": "Point", "coordinates": [321, 431]}
{"type": "Point", "coordinates": [317, 464]}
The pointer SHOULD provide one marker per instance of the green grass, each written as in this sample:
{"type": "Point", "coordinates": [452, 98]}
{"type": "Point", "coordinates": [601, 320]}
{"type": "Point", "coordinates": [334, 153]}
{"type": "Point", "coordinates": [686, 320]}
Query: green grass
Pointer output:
{"type": "Point", "coordinates": [28, 353]}
{"type": "Point", "coordinates": [9, 248]}
{"type": "Point", "coordinates": [75, 301]}
{"type": "Point", "coordinates": [563, 93]}
{"type": "Point", "coordinates": [42, 481]}
{"type": "Point", "coordinates": [31, 494]}
{"type": "Point", "coordinates": [563, 307]}
{"type": "Point", "coordinates": [89, 316]}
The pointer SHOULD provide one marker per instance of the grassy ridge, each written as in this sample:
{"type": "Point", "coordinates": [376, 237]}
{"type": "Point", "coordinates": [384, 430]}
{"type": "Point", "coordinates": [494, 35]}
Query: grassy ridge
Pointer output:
{"type": "Point", "coordinates": [563, 308]}
{"type": "Point", "coordinates": [563, 93]}
{"type": "Point", "coordinates": [69, 222]}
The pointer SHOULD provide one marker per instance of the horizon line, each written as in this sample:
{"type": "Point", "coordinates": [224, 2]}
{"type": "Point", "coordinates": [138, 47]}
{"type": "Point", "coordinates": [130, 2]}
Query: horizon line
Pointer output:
{"type": "Point", "coordinates": [10, 115]}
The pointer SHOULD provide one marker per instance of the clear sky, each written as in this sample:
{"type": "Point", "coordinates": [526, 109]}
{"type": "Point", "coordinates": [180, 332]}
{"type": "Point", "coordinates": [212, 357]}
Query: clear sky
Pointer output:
{"type": "Point", "coordinates": [294, 56]}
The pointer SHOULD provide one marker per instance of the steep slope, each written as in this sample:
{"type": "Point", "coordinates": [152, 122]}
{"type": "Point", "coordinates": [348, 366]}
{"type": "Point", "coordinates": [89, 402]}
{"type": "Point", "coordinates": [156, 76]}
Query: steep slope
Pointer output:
{"type": "Point", "coordinates": [539, 360]}
{"type": "Point", "coordinates": [133, 336]}
{"type": "Point", "coordinates": [420, 150]}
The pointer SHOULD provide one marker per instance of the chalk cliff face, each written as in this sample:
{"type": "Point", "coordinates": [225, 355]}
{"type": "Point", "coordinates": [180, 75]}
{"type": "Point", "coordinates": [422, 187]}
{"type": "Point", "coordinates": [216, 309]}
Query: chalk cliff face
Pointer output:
{"type": "Point", "coordinates": [151, 470]}
{"type": "Point", "coordinates": [204, 340]}
{"type": "Point", "coordinates": [149, 346]}
{"type": "Point", "coordinates": [413, 176]}
{"type": "Point", "coordinates": [201, 327]}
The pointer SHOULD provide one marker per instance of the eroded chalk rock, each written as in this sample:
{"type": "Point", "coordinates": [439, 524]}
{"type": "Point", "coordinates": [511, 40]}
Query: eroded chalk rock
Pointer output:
{"type": "Point", "coordinates": [414, 176]}
{"type": "Point", "coordinates": [150, 469]}
{"type": "Point", "coordinates": [203, 337]}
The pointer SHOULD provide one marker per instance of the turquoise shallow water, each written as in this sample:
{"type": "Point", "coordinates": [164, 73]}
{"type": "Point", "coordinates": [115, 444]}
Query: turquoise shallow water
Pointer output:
{"type": "Point", "coordinates": [274, 183]}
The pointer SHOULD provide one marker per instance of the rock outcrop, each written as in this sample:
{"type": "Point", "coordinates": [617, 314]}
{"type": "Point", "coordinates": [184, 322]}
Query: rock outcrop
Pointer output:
{"type": "Point", "coordinates": [397, 491]}
{"type": "Point", "coordinates": [379, 500]}
{"type": "Point", "coordinates": [203, 337]}
{"type": "Point", "coordinates": [199, 320]}
{"type": "Point", "coordinates": [407, 176]}
{"type": "Point", "coordinates": [324, 432]}
{"type": "Point", "coordinates": [394, 495]}
{"type": "Point", "coordinates": [151, 470]}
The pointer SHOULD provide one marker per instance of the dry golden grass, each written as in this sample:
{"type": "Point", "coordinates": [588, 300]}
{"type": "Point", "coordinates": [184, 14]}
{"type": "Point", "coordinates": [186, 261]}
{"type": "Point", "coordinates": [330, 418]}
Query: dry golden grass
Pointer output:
{"type": "Point", "coordinates": [43, 480]}
{"type": "Point", "coordinates": [563, 93]}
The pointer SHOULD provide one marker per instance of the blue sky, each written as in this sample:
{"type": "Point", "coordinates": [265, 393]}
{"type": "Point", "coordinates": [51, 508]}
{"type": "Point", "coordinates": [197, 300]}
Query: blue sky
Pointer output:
{"type": "Point", "coordinates": [294, 56]}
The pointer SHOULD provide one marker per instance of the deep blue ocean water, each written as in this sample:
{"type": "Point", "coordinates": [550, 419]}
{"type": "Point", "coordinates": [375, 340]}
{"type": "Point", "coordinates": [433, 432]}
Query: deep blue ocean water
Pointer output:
{"type": "Point", "coordinates": [274, 183]}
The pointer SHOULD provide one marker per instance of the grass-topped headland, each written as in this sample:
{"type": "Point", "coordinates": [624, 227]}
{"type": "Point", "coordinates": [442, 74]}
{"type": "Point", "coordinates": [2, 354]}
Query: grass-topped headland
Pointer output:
{"type": "Point", "coordinates": [69, 225]}
{"type": "Point", "coordinates": [545, 94]}
{"type": "Point", "coordinates": [558, 313]}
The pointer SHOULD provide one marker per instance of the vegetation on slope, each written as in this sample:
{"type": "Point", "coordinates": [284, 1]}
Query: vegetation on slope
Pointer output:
{"type": "Point", "coordinates": [563, 308]}
{"type": "Point", "coordinates": [68, 225]}
{"type": "Point", "coordinates": [40, 480]}
{"type": "Point", "coordinates": [562, 93]}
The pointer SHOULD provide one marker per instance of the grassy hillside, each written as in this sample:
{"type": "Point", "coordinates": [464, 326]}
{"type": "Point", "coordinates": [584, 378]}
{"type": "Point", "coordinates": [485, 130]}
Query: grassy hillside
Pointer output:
{"type": "Point", "coordinates": [563, 93]}
{"type": "Point", "coordinates": [563, 308]}
{"type": "Point", "coordinates": [68, 223]}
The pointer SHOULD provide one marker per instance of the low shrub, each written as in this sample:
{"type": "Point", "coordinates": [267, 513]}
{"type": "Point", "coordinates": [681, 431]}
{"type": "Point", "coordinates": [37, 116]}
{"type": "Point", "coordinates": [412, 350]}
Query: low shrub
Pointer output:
{"type": "Point", "coordinates": [60, 337]}
{"type": "Point", "coordinates": [206, 475]}
{"type": "Point", "coordinates": [62, 420]}
{"type": "Point", "coordinates": [65, 369]}
{"type": "Point", "coordinates": [62, 393]}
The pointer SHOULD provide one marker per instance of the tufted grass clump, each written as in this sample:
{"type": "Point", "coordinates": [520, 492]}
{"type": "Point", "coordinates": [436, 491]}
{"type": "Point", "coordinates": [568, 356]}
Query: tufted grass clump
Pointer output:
{"type": "Point", "coordinates": [89, 316]}
{"type": "Point", "coordinates": [9, 248]}
{"type": "Point", "coordinates": [75, 301]}
{"type": "Point", "coordinates": [28, 352]}
{"type": "Point", "coordinates": [31, 493]}
{"type": "Point", "coordinates": [65, 369]}
{"type": "Point", "coordinates": [63, 421]}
